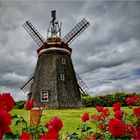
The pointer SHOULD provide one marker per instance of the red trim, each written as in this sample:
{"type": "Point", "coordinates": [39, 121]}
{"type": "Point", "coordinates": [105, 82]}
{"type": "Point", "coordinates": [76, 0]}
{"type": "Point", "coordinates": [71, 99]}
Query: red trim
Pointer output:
{"type": "Point", "coordinates": [48, 51]}
{"type": "Point", "coordinates": [63, 45]}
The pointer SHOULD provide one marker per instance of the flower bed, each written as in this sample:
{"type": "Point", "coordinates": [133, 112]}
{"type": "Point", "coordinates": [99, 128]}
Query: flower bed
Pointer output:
{"type": "Point", "coordinates": [119, 125]}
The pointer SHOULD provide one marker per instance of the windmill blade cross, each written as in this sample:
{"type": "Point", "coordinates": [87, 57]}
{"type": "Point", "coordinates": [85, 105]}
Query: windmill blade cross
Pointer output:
{"type": "Point", "coordinates": [34, 33]}
{"type": "Point", "coordinates": [76, 31]}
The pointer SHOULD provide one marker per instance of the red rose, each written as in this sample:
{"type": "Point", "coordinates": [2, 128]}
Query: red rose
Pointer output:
{"type": "Point", "coordinates": [133, 131]}
{"type": "Point", "coordinates": [29, 104]}
{"type": "Point", "coordinates": [7, 101]}
{"type": "Point", "coordinates": [55, 124]}
{"type": "Point", "coordinates": [105, 112]}
{"type": "Point", "coordinates": [116, 127]}
{"type": "Point", "coordinates": [129, 106]}
{"type": "Point", "coordinates": [119, 114]}
{"type": "Point", "coordinates": [25, 136]}
{"type": "Point", "coordinates": [87, 138]}
{"type": "Point", "coordinates": [137, 111]}
{"type": "Point", "coordinates": [117, 106]}
{"type": "Point", "coordinates": [134, 99]}
{"type": "Point", "coordinates": [128, 100]}
{"type": "Point", "coordinates": [100, 117]}
{"type": "Point", "coordinates": [103, 127]}
{"type": "Point", "coordinates": [85, 117]}
{"type": "Point", "coordinates": [5, 121]}
{"type": "Point", "coordinates": [94, 117]}
{"type": "Point", "coordinates": [99, 108]}
{"type": "Point", "coordinates": [50, 135]}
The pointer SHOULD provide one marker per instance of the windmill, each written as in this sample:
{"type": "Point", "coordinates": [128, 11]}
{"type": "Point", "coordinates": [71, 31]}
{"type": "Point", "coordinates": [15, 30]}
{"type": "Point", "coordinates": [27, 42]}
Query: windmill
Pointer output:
{"type": "Point", "coordinates": [54, 80]}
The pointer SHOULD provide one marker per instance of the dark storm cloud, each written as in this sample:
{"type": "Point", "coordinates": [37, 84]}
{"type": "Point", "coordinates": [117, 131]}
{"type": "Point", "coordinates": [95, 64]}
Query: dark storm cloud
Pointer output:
{"type": "Point", "coordinates": [106, 55]}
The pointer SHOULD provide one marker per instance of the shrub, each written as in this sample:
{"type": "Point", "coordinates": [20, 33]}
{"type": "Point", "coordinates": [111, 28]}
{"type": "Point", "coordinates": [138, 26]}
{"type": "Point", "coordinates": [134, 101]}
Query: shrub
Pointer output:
{"type": "Point", "coordinates": [106, 100]}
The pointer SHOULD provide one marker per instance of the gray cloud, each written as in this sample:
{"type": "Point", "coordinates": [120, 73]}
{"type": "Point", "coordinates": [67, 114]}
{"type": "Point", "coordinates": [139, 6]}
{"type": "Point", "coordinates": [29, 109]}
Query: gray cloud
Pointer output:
{"type": "Point", "coordinates": [106, 55]}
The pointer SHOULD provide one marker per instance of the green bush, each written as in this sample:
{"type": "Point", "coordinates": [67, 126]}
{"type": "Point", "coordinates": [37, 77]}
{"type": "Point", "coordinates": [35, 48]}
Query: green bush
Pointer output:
{"type": "Point", "coordinates": [19, 104]}
{"type": "Point", "coordinates": [106, 100]}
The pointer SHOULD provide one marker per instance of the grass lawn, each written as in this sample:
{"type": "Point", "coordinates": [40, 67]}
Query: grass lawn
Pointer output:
{"type": "Point", "coordinates": [71, 117]}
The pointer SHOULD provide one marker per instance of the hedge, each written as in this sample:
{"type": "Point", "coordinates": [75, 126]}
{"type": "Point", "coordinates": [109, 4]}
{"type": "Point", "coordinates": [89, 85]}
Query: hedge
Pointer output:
{"type": "Point", "coordinates": [106, 100]}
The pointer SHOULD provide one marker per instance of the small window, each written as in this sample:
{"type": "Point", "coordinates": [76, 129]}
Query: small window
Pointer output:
{"type": "Point", "coordinates": [63, 61]}
{"type": "Point", "coordinates": [44, 95]}
{"type": "Point", "coordinates": [62, 77]}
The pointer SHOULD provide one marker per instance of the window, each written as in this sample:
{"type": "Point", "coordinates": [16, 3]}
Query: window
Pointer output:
{"type": "Point", "coordinates": [62, 77]}
{"type": "Point", "coordinates": [44, 95]}
{"type": "Point", "coordinates": [63, 61]}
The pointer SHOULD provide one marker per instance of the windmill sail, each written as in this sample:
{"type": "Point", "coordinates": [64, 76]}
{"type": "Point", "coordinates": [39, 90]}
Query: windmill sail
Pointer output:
{"type": "Point", "coordinates": [34, 33]}
{"type": "Point", "coordinates": [27, 84]}
{"type": "Point", "coordinates": [76, 31]}
{"type": "Point", "coordinates": [82, 86]}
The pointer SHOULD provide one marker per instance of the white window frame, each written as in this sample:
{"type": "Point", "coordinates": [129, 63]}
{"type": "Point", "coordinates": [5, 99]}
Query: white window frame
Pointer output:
{"type": "Point", "coordinates": [62, 77]}
{"type": "Point", "coordinates": [46, 93]}
{"type": "Point", "coordinates": [63, 61]}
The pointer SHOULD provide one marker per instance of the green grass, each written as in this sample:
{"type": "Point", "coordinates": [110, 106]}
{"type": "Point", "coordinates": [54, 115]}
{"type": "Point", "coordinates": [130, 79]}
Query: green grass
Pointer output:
{"type": "Point", "coordinates": [71, 117]}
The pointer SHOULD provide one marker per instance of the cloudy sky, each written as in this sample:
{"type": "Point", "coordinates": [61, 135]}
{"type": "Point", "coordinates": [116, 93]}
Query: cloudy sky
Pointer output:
{"type": "Point", "coordinates": [106, 55]}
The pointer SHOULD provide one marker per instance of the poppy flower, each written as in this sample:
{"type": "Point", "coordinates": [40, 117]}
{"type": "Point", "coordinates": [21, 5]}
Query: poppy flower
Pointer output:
{"type": "Point", "coordinates": [137, 111]}
{"type": "Point", "coordinates": [85, 117]}
{"type": "Point", "coordinates": [116, 127]}
{"type": "Point", "coordinates": [25, 136]}
{"type": "Point", "coordinates": [50, 135]}
{"type": "Point", "coordinates": [5, 121]}
{"type": "Point", "coordinates": [7, 101]}
{"type": "Point", "coordinates": [29, 104]}
{"type": "Point", "coordinates": [55, 124]}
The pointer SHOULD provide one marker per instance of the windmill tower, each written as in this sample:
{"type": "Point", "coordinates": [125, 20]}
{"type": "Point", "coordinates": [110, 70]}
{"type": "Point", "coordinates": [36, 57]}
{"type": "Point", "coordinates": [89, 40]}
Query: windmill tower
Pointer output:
{"type": "Point", "coordinates": [54, 80]}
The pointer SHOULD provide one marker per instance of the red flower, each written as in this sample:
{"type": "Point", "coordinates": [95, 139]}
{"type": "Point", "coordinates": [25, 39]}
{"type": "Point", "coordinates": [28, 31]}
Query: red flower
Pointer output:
{"type": "Point", "coordinates": [117, 106]}
{"type": "Point", "coordinates": [87, 138]}
{"type": "Point", "coordinates": [119, 114]}
{"type": "Point", "coordinates": [128, 100]}
{"type": "Point", "coordinates": [129, 106]}
{"type": "Point", "coordinates": [5, 121]}
{"type": "Point", "coordinates": [99, 108]}
{"type": "Point", "coordinates": [94, 117]}
{"type": "Point", "coordinates": [7, 101]}
{"type": "Point", "coordinates": [29, 104]}
{"type": "Point", "coordinates": [133, 131]}
{"type": "Point", "coordinates": [103, 127]}
{"type": "Point", "coordinates": [106, 112]}
{"type": "Point", "coordinates": [85, 117]}
{"type": "Point", "coordinates": [25, 136]}
{"type": "Point", "coordinates": [116, 127]}
{"type": "Point", "coordinates": [50, 135]}
{"type": "Point", "coordinates": [137, 111]}
{"type": "Point", "coordinates": [134, 99]}
{"type": "Point", "coordinates": [55, 124]}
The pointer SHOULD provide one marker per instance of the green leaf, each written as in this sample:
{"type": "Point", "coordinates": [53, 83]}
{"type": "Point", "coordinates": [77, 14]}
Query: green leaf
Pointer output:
{"type": "Point", "coordinates": [17, 122]}
{"type": "Point", "coordinates": [14, 116]}
{"type": "Point", "coordinates": [89, 128]}
{"type": "Point", "coordinates": [9, 136]}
